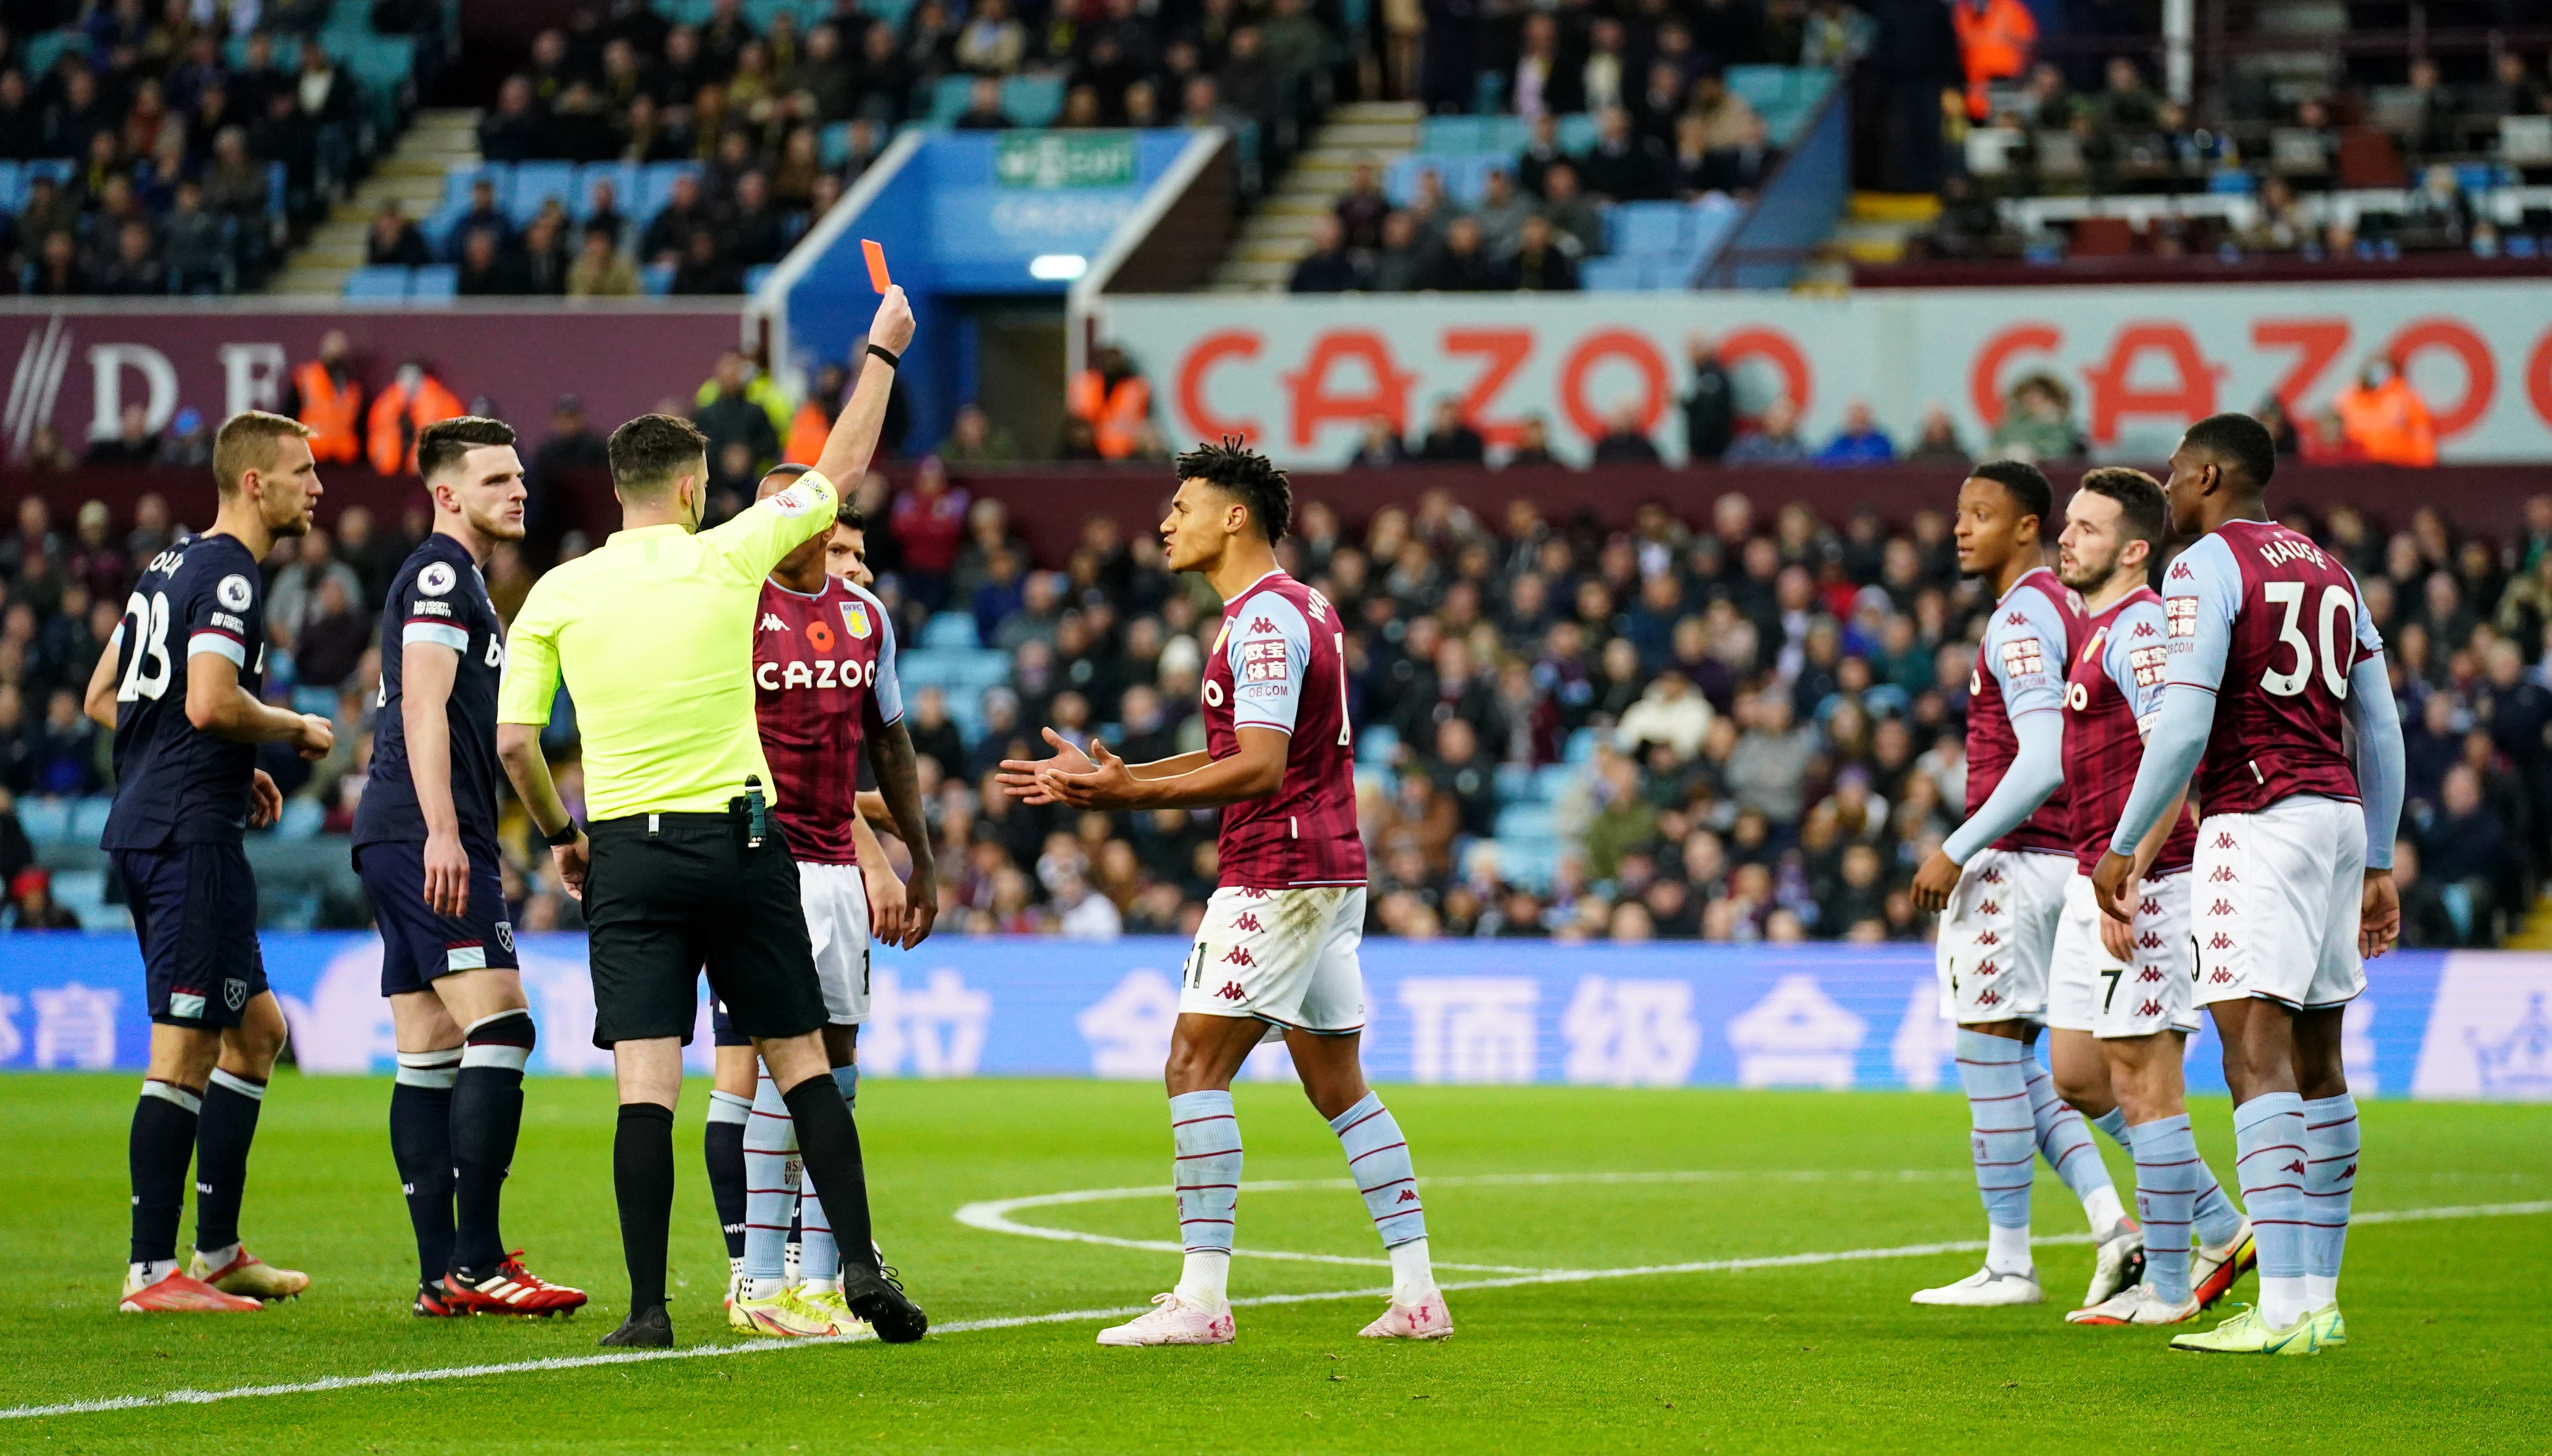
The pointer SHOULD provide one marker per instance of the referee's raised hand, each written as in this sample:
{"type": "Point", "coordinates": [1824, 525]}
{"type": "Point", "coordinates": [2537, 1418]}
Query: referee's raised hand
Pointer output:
{"type": "Point", "coordinates": [892, 328]}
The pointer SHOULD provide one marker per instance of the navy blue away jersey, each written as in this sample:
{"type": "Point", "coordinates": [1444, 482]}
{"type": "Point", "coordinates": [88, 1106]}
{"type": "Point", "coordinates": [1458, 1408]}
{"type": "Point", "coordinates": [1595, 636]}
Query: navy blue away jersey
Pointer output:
{"type": "Point", "coordinates": [438, 598]}
{"type": "Point", "coordinates": [173, 782]}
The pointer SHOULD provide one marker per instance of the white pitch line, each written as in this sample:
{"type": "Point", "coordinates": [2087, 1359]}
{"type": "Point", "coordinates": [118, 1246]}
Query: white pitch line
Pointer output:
{"type": "Point", "coordinates": [1070, 1317]}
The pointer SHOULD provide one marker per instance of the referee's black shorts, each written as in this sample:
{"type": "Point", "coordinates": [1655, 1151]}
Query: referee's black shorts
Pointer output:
{"type": "Point", "coordinates": [667, 894]}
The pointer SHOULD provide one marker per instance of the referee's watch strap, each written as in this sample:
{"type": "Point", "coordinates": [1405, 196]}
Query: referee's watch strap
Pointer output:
{"type": "Point", "coordinates": [892, 360]}
{"type": "Point", "coordinates": [566, 836]}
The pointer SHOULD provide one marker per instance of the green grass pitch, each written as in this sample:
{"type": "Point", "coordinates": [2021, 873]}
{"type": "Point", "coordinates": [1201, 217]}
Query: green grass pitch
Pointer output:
{"type": "Point", "coordinates": [2448, 1352]}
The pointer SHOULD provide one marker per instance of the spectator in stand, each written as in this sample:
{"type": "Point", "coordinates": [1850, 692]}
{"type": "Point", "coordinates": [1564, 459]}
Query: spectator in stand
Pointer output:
{"type": "Point", "coordinates": [1622, 165]}
{"type": "Point", "coordinates": [1461, 264]}
{"type": "Point", "coordinates": [394, 241]}
{"type": "Point", "coordinates": [1770, 439]}
{"type": "Point", "coordinates": [983, 111]}
{"type": "Point", "coordinates": [2037, 422]}
{"type": "Point", "coordinates": [2384, 418]}
{"type": "Point", "coordinates": [513, 131]}
{"type": "Point", "coordinates": [31, 905]}
{"type": "Point", "coordinates": [1115, 399]}
{"type": "Point", "coordinates": [1861, 442]}
{"type": "Point", "coordinates": [1744, 164]}
{"type": "Point", "coordinates": [1449, 438]}
{"type": "Point", "coordinates": [928, 523]}
{"type": "Point", "coordinates": [1361, 209]}
{"type": "Point", "coordinates": [131, 445]}
{"type": "Point", "coordinates": [1378, 447]}
{"type": "Point", "coordinates": [973, 439]}
{"type": "Point", "coordinates": [1501, 214]}
{"type": "Point", "coordinates": [1939, 440]}
{"type": "Point", "coordinates": [1540, 264]}
{"type": "Point", "coordinates": [1997, 41]}
{"type": "Point", "coordinates": [1401, 263]}
{"type": "Point", "coordinates": [1328, 267]}
{"type": "Point", "coordinates": [601, 269]}
{"type": "Point", "coordinates": [488, 270]}
{"type": "Point", "coordinates": [1710, 406]}
{"type": "Point", "coordinates": [1625, 439]}
{"type": "Point", "coordinates": [1574, 219]}
{"type": "Point", "coordinates": [669, 232]}
{"type": "Point", "coordinates": [704, 268]}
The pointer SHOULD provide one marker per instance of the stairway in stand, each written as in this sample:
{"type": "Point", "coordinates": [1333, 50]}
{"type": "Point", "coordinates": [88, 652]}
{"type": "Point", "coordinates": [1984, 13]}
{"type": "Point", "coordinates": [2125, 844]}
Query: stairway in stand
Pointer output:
{"type": "Point", "coordinates": [437, 142]}
{"type": "Point", "coordinates": [1279, 233]}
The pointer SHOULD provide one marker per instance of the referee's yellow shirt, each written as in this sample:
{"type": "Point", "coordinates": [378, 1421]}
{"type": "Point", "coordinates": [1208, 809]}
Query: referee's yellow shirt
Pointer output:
{"type": "Point", "coordinates": [654, 634]}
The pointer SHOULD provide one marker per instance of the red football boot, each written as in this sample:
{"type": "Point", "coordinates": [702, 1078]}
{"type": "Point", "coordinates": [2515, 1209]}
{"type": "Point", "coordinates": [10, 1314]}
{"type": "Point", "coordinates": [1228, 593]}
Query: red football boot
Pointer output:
{"type": "Point", "coordinates": [509, 1289]}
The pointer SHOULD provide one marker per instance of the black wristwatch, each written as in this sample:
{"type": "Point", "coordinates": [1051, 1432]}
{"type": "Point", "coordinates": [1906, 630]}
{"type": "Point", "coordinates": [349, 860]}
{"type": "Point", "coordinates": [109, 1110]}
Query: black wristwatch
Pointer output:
{"type": "Point", "coordinates": [566, 836]}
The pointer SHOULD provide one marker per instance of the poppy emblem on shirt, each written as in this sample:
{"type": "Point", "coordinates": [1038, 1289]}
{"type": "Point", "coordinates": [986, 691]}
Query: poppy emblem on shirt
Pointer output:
{"type": "Point", "coordinates": [819, 636]}
{"type": "Point", "coordinates": [855, 616]}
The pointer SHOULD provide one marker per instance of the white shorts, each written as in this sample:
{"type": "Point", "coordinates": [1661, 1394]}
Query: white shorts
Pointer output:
{"type": "Point", "coordinates": [2276, 898]}
{"type": "Point", "coordinates": [836, 901]}
{"type": "Point", "coordinates": [1287, 957]}
{"type": "Point", "coordinates": [2091, 990]}
{"type": "Point", "coordinates": [1998, 935]}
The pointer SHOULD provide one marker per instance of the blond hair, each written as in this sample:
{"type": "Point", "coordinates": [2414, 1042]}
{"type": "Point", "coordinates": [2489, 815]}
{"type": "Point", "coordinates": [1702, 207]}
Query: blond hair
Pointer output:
{"type": "Point", "coordinates": [247, 443]}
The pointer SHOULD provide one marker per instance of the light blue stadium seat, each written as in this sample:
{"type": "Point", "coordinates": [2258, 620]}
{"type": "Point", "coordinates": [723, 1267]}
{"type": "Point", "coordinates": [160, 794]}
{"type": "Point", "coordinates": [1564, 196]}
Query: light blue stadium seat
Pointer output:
{"type": "Point", "coordinates": [1376, 743]}
{"type": "Point", "coordinates": [1759, 86]}
{"type": "Point", "coordinates": [1504, 135]}
{"type": "Point", "coordinates": [88, 818]}
{"type": "Point", "coordinates": [378, 62]}
{"type": "Point", "coordinates": [833, 144]}
{"type": "Point", "coordinates": [302, 819]}
{"type": "Point", "coordinates": [1581, 746]}
{"type": "Point", "coordinates": [377, 286]}
{"type": "Point", "coordinates": [950, 629]}
{"type": "Point", "coordinates": [13, 186]}
{"type": "Point", "coordinates": [435, 282]}
{"type": "Point", "coordinates": [1515, 782]}
{"type": "Point", "coordinates": [319, 701]}
{"type": "Point", "coordinates": [48, 821]}
{"type": "Point", "coordinates": [1552, 780]}
{"type": "Point", "coordinates": [1577, 132]}
{"type": "Point", "coordinates": [1647, 229]}
{"type": "Point", "coordinates": [1531, 866]}
{"type": "Point", "coordinates": [1450, 136]}
{"type": "Point", "coordinates": [1612, 274]}
{"type": "Point", "coordinates": [1527, 822]}
{"type": "Point", "coordinates": [1032, 101]}
{"type": "Point", "coordinates": [657, 279]}
{"type": "Point", "coordinates": [891, 12]}
{"type": "Point", "coordinates": [59, 169]}
{"type": "Point", "coordinates": [757, 276]}
{"type": "Point", "coordinates": [43, 50]}
{"type": "Point", "coordinates": [948, 99]}
{"type": "Point", "coordinates": [535, 182]}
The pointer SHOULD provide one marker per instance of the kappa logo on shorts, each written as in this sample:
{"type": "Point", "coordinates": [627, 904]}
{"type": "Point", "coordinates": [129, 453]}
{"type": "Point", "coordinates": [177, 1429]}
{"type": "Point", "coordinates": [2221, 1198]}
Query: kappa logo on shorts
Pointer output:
{"type": "Point", "coordinates": [2225, 841]}
{"type": "Point", "coordinates": [1246, 920]}
{"type": "Point", "coordinates": [2150, 972]}
{"type": "Point", "coordinates": [1990, 907]}
{"type": "Point", "coordinates": [2148, 906]}
{"type": "Point", "coordinates": [1988, 968]}
{"type": "Point", "coordinates": [2221, 977]}
{"type": "Point", "coordinates": [234, 993]}
{"type": "Point", "coordinates": [1991, 877]}
{"type": "Point", "coordinates": [2224, 875]}
{"type": "Point", "coordinates": [505, 935]}
{"type": "Point", "coordinates": [2149, 941]}
{"type": "Point", "coordinates": [1255, 894]}
{"type": "Point", "coordinates": [1987, 937]}
{"type": "Point", "coordinates": [2221, 942]}
{"type": "Point", "coordinates": [1988, 998]}
{"type": "Point", "coordinates": [1232, 992]}
{"type": "Point", "coordinates": [1239, 957]}
{"type": "Point", "coordinates": [2150, 1009]}
{"type": "Point", "coordinates": [2220, 908]}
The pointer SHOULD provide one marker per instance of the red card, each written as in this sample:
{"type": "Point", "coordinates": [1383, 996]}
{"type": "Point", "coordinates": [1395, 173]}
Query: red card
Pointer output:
{"type": "Point", "coordinates": [877, 265]}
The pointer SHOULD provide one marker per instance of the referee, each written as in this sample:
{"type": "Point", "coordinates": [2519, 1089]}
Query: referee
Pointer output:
{"type": "Point", "coordinates": [686, 865]}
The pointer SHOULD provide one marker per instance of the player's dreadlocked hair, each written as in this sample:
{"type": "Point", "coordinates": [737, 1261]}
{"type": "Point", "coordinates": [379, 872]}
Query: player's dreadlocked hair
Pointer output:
{"type": "Point", "coordinates": [1233, 467]}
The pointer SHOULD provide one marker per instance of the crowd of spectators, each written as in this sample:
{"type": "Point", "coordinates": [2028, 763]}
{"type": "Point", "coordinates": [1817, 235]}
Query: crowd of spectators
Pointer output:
{"type": "Point", "coordinates": [755, 107]}
{"type": "Point", "coordinates": [2286, 162]}
{"type": "Point", "coordinates": [1761, 711]}
{"type": "Point", "coordinates": [162, 149]}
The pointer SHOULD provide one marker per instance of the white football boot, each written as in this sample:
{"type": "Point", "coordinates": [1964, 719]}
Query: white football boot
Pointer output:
{"type": "Point", "coordinates": [1986, 1288]}
{"type": "Point", "coordinates": [1172, 1321]}
{"type": "Point", "coordinates": [2135, 1304]}
{"type": "Point", "coordinates": [2117, 1264]}
{"type": "Point", "coordinates": [1421, 1319]}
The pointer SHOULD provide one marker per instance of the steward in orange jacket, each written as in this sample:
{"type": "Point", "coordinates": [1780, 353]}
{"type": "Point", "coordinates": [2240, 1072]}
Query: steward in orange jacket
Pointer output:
{"type": "Point", "coordinates": [415, 400]}
{"type": "Point", "coordinates": [2385, 419]}
{"type": "Point", "coordinates": [1115, 400]}
{"type": "Point", "coordinates": [1995, 38]}
{"type": "Point", "coordinates": [327, 398]}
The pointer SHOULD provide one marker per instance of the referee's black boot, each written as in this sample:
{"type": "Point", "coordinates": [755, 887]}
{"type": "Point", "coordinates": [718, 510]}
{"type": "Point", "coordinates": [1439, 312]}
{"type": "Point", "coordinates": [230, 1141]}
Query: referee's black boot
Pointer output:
{"type": "Point", "coordinates": [650, 1328]}
{"type": "Point", "coordinates": [877, 1298]}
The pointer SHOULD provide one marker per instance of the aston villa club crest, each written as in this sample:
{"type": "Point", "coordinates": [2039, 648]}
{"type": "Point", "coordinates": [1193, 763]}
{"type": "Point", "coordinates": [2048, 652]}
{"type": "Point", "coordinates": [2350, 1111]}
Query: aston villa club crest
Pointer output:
{"type": "Point", "coordinates": [855, 616]}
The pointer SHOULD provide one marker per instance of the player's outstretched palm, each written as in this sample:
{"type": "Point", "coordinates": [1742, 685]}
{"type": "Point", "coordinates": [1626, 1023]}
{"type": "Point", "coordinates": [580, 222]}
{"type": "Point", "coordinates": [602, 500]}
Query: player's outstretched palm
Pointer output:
{"type": "Point", "coordinates": [1103, 785]}
{"type": "Point", "coordinates": [1021, 777]}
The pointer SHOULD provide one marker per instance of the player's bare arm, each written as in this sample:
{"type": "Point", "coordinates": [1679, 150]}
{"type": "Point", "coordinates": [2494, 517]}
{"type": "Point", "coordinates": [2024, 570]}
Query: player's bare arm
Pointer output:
{"type": "Point", "coordinates": [518, 748]}
{"type": "Point", "coordinates": [854, 437]}
{"type": "Point", "coordinates": [217, 704]}
{"type": "Point", "coordinates": [890, 749]}
{"type": "Point", "coordinates": [877, 876]}
{"type": "Point", "coordinates": [99, 701]}
{"type": "Point", "coordinates": [427, 670]}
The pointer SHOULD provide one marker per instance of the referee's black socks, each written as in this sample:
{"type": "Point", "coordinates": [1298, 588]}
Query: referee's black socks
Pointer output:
{"type": "Point", "coordinates": [642, 1176]}
{"type": "Point", "coordinates": [829, 1143]}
